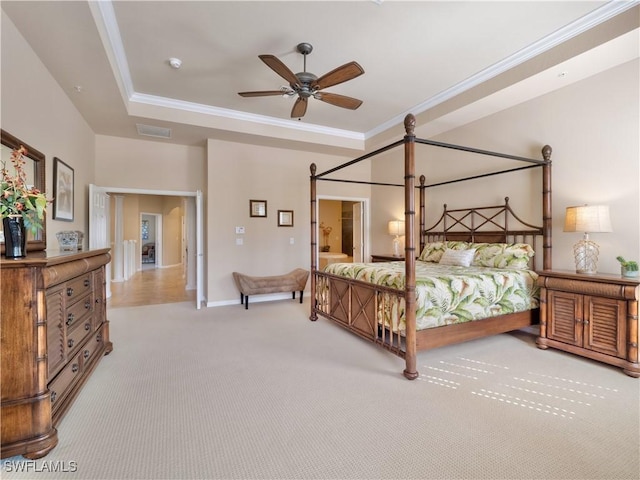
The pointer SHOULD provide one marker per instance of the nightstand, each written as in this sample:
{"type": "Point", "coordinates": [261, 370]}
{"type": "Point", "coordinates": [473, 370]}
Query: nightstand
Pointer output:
{"type": "Point", "coordinates": [387, 258]}
{"type": "Point", "coordinates": [595, 316]}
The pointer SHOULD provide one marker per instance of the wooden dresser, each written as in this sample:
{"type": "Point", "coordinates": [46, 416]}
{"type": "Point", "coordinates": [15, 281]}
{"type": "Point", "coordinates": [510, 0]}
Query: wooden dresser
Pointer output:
{"type": "Point", "coordinates": [595, 316]}
{"type": "Point", "coordinates": [54, 330]}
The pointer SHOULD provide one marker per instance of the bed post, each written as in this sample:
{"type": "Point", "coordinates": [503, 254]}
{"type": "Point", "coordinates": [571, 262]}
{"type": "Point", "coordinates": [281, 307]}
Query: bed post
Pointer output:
{"type": "Point", "coordinates": [423, 215]}
{"type": "Point", "coordinates": [546, 208]}
{"type": "Point", "coordinates": [314, 231]}
{"type": "Point", "coordinates": [410, 370]}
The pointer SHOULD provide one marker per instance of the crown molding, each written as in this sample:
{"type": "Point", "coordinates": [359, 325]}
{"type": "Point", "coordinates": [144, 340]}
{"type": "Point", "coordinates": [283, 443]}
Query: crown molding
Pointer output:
{"type": "Point", "coordinates": [199, 108]}
{"type": "Point", "coordinates": [104, 16]}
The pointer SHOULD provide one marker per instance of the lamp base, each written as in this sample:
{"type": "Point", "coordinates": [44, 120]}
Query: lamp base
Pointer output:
{"type": "Point", "coordinates": [396, 247]}
{"type": "Point", "coordinates": [586, 257]}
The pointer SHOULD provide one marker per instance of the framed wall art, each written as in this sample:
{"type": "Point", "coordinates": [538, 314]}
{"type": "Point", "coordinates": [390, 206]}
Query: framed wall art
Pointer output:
{"type": "Point", "coordinates": [257, 208]}
{"type": "Point", "coordinates": [62, 190]}
{"type": "Point", "coordinates": [285, 218]}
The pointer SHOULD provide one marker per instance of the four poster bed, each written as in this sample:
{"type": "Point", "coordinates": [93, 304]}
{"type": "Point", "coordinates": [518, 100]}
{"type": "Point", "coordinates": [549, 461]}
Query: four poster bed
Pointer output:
{"type": "Point", "coordinates": [474, 274]}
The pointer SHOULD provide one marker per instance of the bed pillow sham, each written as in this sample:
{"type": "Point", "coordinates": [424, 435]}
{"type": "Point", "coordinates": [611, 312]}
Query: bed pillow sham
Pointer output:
{"type": "Point", "coordinates": [432, 252]}
{"type": "Point", "coordinates": [502, 255]}
{"type": "Point", "coordinates": [461, 258]}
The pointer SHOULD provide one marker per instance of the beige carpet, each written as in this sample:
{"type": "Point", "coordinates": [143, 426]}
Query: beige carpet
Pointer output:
{"type": "Point", "coordinates": [264, 393]}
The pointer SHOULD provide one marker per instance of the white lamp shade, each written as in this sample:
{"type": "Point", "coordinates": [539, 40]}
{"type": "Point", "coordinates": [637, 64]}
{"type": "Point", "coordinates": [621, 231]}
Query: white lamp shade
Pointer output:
{"type": "Point", "coordinates": [587, 219]}
{"type": "Point", "coordinates": [396, 227]}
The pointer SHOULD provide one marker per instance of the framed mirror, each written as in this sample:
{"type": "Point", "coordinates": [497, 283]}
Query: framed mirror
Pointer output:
{"type": "Point", "coordinates": [35, 168]}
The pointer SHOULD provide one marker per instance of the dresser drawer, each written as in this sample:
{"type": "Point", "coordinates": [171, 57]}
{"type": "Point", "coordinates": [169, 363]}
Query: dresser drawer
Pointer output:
{"type": "Point", "coordinates": [77, 287]}
{"type": "Point", "coordinates": [78, 334]}
{"type": "Point", "coordinates": [75, 313]}
{"type": "Point", "coordinates": [63, 381]}
{"type": "Point", "coordinates": [94, 345]}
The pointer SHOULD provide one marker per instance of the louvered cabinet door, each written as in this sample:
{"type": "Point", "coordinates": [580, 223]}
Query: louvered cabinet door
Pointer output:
{"type": "Point", "coordinates": [605, 325]}
{"type": "Point", "coordinates": [565, 317]}
{"type": "Point", "coordinates": [595, 316]}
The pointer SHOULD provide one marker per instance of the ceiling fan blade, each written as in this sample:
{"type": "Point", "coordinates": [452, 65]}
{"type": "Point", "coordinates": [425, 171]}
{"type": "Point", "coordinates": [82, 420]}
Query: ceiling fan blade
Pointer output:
{"type": "Point", "coordinates": [299, 108]}
{"type": "Point", "coordinates": [265, 93]}
{"type": "Point", "coordinates": [338, 75]}
{"type": "Point", "coordinates": [339, 100]}
{"type": "Point", "coordinates": [280, 68]}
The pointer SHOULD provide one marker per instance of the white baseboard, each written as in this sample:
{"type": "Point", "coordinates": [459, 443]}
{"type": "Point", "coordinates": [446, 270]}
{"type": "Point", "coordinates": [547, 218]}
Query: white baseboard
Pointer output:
{"type": "Point", "coordinates": [269, 297]}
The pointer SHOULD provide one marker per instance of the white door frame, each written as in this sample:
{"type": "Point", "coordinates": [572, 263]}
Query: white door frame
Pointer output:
{"type": "Point", "coordinates": [196, 231]}
{"type": "Point", "coordinates": [365, 218]}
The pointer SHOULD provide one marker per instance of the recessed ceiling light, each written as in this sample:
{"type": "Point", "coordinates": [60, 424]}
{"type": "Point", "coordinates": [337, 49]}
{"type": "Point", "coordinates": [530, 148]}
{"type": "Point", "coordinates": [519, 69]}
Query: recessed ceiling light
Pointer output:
{"type": "Point", "coordinates": [78, 88]}
{"type": "Point", "coordinates": [175, 63]}
{"type": "Point", "coordinates": [562, 74]}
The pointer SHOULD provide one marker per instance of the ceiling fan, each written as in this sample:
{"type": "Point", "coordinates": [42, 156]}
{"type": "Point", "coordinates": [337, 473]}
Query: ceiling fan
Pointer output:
{"type": "Point", "coordinates": [306, 84]}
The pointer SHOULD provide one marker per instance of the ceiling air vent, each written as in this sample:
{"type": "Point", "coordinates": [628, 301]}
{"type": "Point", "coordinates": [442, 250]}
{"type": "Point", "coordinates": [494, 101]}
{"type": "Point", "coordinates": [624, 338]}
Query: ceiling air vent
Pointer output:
{"type": "Point", "coordinates": [151, 131]}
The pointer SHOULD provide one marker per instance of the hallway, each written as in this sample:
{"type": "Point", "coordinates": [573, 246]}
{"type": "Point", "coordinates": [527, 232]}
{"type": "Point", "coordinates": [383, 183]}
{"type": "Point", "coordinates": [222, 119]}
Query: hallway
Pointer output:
{"type": "Point", "coordinates": [151, 286]}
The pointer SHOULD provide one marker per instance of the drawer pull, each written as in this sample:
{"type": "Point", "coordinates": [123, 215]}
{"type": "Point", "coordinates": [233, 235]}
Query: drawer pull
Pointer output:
{"type": "Point", "coordinates": [99, 338]}
{"type": "Point", "coordinates": [70, 343]}
{"type": "Point", "coordinates": [69, 291]}
{"type": "Point", "coordinates": [54, 395]}
{"type": "Point", "coordinates": [74, 368]}
{"type": "Point", "coordinates": [70, 319]}
{"type": "Point", "coordinates": [87, 326]}
{"type": "Point", "coordinates": [86, 354]}
{"type": "Point", "coordinates": [87, 304]}
{"type": "Point", "coordinates": [86, 282]}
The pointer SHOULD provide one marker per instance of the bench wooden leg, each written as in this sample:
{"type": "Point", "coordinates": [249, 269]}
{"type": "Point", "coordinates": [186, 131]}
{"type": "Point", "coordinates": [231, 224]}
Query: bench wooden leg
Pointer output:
{"type": "Point", "coordinates": [241, 298]}
{"type": "Point", "coordinates": [301, 292]}
{"type": "Point", "coordinates": [246, 302]}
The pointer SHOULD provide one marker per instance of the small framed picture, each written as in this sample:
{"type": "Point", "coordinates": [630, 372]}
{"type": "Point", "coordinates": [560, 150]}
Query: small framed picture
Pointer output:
{"type": "Point", "coordinates": [257, 208]}
{"type": "Point", "coordinates": [285, 218]}
{"type": "Point", "coordinates": [62, 191]}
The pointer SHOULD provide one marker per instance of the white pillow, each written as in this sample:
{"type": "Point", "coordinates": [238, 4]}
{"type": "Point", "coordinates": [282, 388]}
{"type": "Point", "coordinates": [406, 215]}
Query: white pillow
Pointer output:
{"type": "Point", "coordinates": [462, 258]}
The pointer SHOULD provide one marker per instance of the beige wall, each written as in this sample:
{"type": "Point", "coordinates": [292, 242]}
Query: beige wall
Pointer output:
{"type": "Point", "coordinates": [238, 173]}
{"type": "Point", "coordinates": [593, 128]}
{"type": "Point", "coordinates": [35, 109]}
{"type": "Point", "coordinates": [133, 163]}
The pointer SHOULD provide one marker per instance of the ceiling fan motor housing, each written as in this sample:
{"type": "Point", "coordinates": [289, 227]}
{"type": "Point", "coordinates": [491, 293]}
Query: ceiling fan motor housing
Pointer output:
{"type": "Point", "coordinates": [305, 80]}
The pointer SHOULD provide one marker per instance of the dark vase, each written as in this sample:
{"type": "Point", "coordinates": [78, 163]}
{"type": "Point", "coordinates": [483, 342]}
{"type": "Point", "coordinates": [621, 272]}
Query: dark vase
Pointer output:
{"type": "Point", "coordinates": [15, 237]}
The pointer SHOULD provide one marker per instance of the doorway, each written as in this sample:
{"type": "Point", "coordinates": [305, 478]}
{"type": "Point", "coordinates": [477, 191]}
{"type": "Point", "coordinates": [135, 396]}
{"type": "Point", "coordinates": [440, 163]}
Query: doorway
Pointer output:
{"type": "Point", "coordinates": [342, 229]}
{"type": "Point", "coordinates": [150, 240]}
{"type": "Point", "coordinates": [99, 228]}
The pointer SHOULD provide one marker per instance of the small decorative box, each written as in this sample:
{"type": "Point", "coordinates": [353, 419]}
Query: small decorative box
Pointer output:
{"type": "Point", "coordinates": [68, 241]}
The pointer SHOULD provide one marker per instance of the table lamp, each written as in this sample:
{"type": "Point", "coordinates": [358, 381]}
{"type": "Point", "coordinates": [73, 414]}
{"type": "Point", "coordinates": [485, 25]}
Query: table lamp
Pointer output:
{"type": "Point", "coordinates": [587, 219]}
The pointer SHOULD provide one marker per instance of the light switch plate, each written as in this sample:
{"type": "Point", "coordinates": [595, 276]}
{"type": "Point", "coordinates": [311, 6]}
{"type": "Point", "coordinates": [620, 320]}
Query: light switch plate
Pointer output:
{"type": "Point", "coordinates": [239, 230]}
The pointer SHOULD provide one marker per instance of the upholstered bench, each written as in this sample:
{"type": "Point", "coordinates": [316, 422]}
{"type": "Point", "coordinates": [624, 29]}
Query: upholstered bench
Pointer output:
{"type": "Point", "coordinates": [289, 282]}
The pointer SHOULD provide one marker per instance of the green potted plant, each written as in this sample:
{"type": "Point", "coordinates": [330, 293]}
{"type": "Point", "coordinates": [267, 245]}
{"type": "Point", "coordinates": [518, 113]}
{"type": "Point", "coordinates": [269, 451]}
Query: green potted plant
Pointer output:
{"type": "Point", "coordinates": [22, 206]}
{"type": "Point", "coordinates": [629, 268]}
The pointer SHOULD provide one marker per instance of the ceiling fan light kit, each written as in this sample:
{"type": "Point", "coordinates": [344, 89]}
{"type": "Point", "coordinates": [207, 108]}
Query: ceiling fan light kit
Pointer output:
{"type": "Point", "coordinates": [306, 84]}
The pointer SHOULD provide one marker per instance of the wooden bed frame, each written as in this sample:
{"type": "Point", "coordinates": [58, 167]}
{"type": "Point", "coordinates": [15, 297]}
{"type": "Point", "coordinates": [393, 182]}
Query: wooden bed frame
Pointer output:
{"type": "Point", "coordinates": [354, 304]}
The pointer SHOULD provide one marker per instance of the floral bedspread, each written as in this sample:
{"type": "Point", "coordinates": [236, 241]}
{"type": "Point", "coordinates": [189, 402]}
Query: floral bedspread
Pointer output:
{"type": "Point", "coordinates": [448, 294]}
